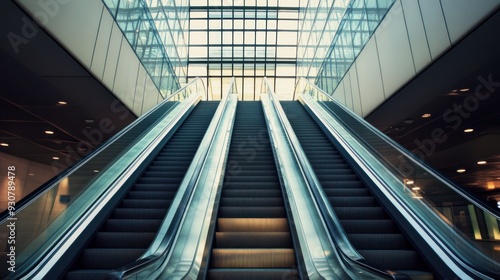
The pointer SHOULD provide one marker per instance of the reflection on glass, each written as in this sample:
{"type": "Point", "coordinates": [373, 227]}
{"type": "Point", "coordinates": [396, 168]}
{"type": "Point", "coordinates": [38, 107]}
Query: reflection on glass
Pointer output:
{"type": "Point", "coordinates": [470, 227]}
{"type": "Point", "coordinates": [155, 30]}
{"type": "Point", "coordinates": [40, 224]}
{"type": "Point", "coordinates": [332, 36]}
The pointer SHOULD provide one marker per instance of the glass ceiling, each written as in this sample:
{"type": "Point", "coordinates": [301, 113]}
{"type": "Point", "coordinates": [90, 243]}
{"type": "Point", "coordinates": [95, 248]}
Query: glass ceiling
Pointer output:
{"type": "Point", "coordinates": [248, 40]}
{"type": "Point", "coordinates": [245, 39]}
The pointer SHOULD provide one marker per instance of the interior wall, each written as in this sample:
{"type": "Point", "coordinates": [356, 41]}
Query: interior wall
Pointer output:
{"type": "Point", "coordinates": [412, 36]}
{"type": "Point", "coordinates": [28, 175]}
{"type": "Point", "coordinates": [87, 30]}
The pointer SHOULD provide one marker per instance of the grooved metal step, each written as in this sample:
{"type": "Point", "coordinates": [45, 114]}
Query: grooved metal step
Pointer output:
{"type": "Point", "coordinates": [252, 239]}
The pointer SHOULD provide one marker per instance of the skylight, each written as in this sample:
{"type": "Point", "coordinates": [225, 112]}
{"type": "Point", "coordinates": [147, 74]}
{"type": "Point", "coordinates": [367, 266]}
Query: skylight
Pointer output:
{"type": "Point", "coordinates": [245, 39]}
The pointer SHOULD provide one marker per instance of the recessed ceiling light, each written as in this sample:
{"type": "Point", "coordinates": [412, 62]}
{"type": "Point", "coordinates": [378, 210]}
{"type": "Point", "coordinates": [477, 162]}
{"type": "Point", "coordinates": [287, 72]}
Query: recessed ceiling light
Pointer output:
{"type": "Point", "coordinates": [55, 158]}
{"type": "Point", "coordinates": [415, 188]}
{"type": "Point", "coordinates": [426, 115]}
{"type": "Point", "coordinates": [409, 181]}
{"type": "Point", "coordinates": [461, 170]}
{"type": "Point", "coordinates": [62, 103]}
{"type": "Point", "coordinates": [4, 144]}
{"type": "Point", "coordinates": [50, 132]}
{"type": "Point", "coordinates": [96, 171]}
{"type": "Point", "coordinates": [481, 162]}
{"type": "Point", "coordinates": [468, 130]}
{"type": "Point", "coordinates": [31, 174]}
{"type": "Point", "coordinates": [464, 89]}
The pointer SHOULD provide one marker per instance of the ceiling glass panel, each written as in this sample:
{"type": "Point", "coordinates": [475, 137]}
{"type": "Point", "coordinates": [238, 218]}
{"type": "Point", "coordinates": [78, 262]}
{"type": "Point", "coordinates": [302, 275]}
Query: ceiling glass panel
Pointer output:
{"type": "Point", "coordinates": [240, 39]}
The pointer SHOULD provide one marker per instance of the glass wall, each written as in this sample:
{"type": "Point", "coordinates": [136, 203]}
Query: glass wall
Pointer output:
{"type": "Point", "coordinates": [248, 40]}
{"type": "Point", "coordinates": [332, 34]}
{"type": "Point", "coordinates": [155, 30]}
{"type": "Point", "coordinates": [245, 39]}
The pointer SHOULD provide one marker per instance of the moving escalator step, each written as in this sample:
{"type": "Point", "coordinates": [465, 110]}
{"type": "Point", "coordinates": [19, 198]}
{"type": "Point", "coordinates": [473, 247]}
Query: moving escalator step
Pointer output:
{"type": "Point", "coordinates": [252, 238]}
{"type": "Point", "coordinates": [97, 258]}
{"type": "Point", "coordinates": [366, 223]}
{"type": "Point", "coordinates": [249, 273]}
{"type": "Point", "coordinates": [133, 224]}
{"type": "Point", "coordinates": [255, 258]}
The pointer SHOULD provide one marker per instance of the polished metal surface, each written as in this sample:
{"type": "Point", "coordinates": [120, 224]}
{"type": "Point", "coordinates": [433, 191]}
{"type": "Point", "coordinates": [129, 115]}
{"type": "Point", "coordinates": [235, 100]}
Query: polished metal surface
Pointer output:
{"type": "Point", "coordinates": [432, 228]}
{"type": "Point", "coordinates": [184, 258]}
{"type": "Point", "coordinates": [320, 257]}
{"type": "Point", "coordinates": [348, 253]}
{"type": "Point", "coordinates": [101, 190]}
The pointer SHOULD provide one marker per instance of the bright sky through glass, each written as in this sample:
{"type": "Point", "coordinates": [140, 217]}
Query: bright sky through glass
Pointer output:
{"type": "Point", "coordinates": [245, 39]}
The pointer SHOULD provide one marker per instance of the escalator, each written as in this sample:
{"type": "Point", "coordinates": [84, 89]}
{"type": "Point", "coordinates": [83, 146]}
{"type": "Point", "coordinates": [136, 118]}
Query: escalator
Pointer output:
{"type": "Point", "coordinates": [109, 153]}
{"type": "Point", "coordinates": [367, 224]}
{"type": "Point", "coordinates": [252, 235]}
{"type": "Point", "coordinates": [133, 224]}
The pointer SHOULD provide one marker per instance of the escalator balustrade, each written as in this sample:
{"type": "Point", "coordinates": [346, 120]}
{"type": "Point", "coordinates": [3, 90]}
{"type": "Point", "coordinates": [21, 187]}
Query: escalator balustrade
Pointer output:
{"type": "Point", "coordinates": [133, 224]}
{"type": "Point", "coordinates": [367, 224]}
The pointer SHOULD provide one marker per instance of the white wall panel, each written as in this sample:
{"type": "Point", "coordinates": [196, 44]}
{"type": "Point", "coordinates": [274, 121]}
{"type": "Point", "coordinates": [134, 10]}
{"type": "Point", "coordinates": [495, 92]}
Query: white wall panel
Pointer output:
{"type": "Point", "coordinates": [370, 79]}
{"type": "Point", "coordinates": [87, 31]}
{"type": "Point", "coordinates": [139, 92]}
{"type": "Point", "coordinates": [64, 19]}
{"type": "Point", "coordinates": [126, 74]}
{"type": "Point", "coordinates": [348, 90]}
{"type": "Point", "coordinates": [394, 52]}
{"type": "Point", "coordinates": [356, 100]}
{"type": "Point", "coordinates": [416, 33]}
{"type": "Point", "coordinates": [462, 15]}
{"type": "Point", "coordinates": [339, 94]}
{"type": "Point", "coordinates": [101, 45]}
{"type": "Point", "coordinates": [150, 95]}
{"type": "Point", "coordinates": [112, 56]}
{"type": "Point", "coordinates": [435, 27]}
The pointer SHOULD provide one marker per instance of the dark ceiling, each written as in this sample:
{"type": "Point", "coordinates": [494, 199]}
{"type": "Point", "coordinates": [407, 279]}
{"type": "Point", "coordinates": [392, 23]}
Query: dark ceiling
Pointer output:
{"type": "Point", "coordinates": [461, 90]}
{"type": "Point", "coordinates": [42, 73]}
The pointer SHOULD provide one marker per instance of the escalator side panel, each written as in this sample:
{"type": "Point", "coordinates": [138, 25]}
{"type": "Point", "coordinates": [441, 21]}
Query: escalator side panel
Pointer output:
{"type": "Point", "coordinates": [133, 224]}
{"type": "Point", "coordinates": [368, 226]}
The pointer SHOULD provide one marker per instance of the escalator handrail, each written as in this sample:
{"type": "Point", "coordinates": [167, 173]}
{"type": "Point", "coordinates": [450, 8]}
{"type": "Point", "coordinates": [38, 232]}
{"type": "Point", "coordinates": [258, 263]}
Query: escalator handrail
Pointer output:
{"type": "Point", "coordinates": [54, 181]}
{"type": "Point", "coordinates": [164, 241]}
{"type": "Point", "coordinates": [338, 236]}
{"type": "Point", "coordinates": [48, 261]}
{"type": "Point", "coordinates": [336, 229]}
{"type": "Point", "coordinates": [383, 179]}
{"type": "Point", "coordinates": [473, 200]}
